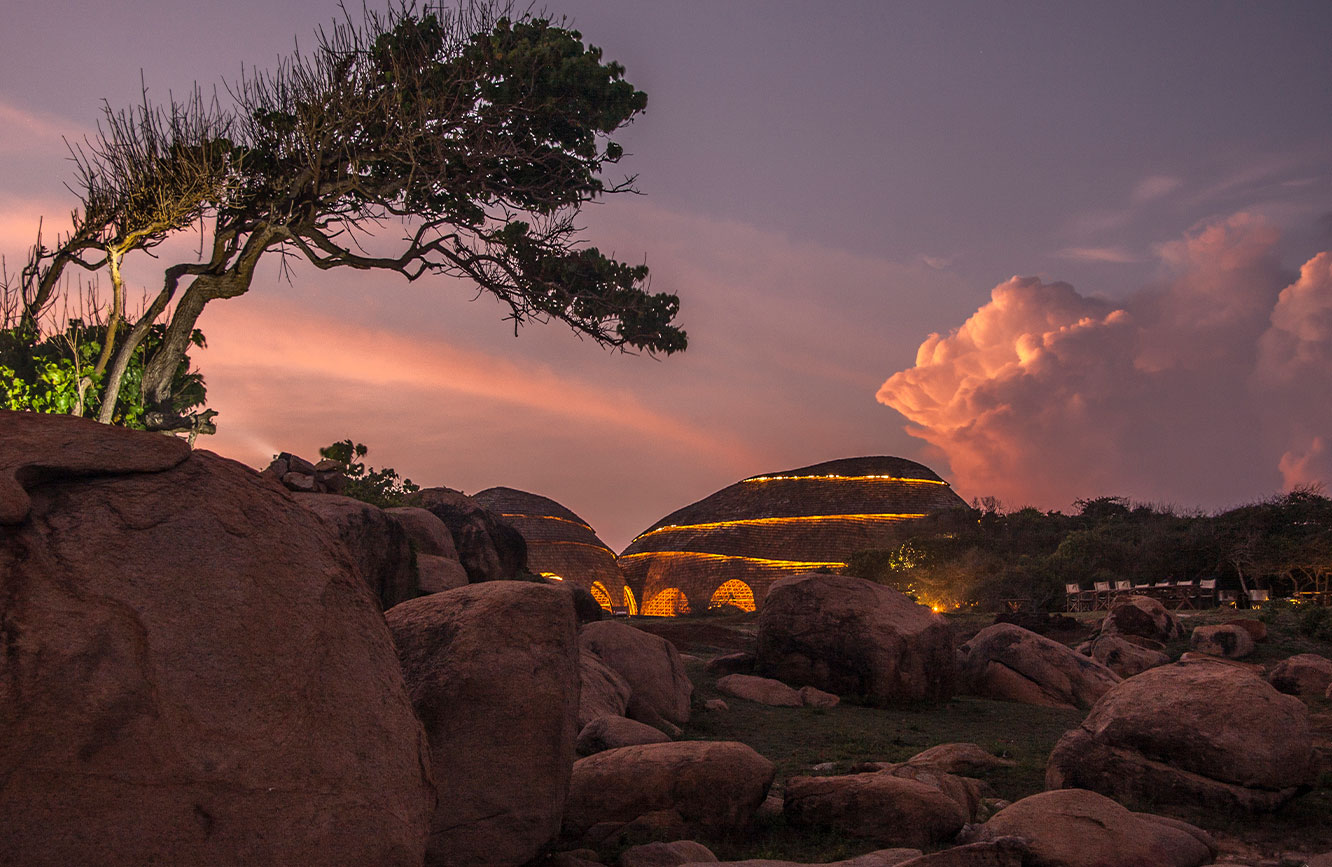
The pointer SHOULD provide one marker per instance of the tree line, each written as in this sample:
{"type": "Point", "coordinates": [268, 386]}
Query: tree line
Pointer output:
{"type": "Point", "coordinates": [983, 555]}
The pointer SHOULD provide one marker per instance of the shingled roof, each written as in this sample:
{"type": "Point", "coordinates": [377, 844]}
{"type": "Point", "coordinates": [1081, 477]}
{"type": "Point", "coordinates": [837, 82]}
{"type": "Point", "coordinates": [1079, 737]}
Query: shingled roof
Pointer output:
{"type": "Point", "coordinates": [561, 544]}
{"type": "Point", "coordinates": [775, 524]}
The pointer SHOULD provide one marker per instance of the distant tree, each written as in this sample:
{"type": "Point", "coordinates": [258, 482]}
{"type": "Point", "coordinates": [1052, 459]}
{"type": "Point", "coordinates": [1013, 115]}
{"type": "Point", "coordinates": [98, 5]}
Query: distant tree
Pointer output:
{"type": "Point", "coordinates": [481, 133]}
{"type": "Point", "coordinates": [382, 487]}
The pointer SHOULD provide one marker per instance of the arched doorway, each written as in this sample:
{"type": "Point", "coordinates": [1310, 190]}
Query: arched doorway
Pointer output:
{"type": "Point", "coordinates": [734, 592]}
{"type": "Point", "coordinates": [630, 603]}
{"type": "Point", "coordinates": [670, 602]}
{"type": "Point", "coordinates": [601, 594]}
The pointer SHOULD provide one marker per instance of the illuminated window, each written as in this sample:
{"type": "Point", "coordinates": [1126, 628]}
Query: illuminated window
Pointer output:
{"type": "Point", "coordinates": [734, 592]}
{"type": "Point", "coordinates": [630, 603]}
{"type": "Point", "coordinates": [668, 603]}
{"type": "Point", "coordinates": [601, 594]}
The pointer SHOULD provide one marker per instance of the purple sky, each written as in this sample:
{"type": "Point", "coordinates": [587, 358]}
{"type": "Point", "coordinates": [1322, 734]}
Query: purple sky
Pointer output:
{"type": "Point", "coordinates": [828, 185]}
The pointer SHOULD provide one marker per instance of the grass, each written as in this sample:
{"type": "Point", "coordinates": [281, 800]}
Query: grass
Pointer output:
{"type": "Point", "coordinates": [796, 739]}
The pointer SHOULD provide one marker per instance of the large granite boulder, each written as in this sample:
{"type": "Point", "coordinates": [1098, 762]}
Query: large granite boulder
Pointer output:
{"type": "Point", "coordinates": [1204, 734]}
{"type": "Point", "coordinates": [1302, 674]}
{"type": "Point", "coordinates": [194, 672]}
{"type": "Point", "coordinates": [602, 692]}
{"type": "Point", "coordinates": [761, 690]}
{"type": "Point", "coordinates": [959, 758]}
{"type": "Point", "coordinates": [488, 548]}
{"type": "Point", "coordinates": [659, 689]}
{"type": "Point", "coordinates": [1077, 828]}
{"type": "Point", "coordinates": [1142, 616]}
{"type": "Point", "coordinates": [888, 809]}
{"type": "Point", "coordinates": [1010, 663]}
{"type": "Point", "coordinates": [850, 636]}
{"type": "Point", "coordinates": [492, 670]}
{"type": "Point", "coordinates": [1228, 641]}
{"type": "Point", "coordinates": [713, 786]}
{"type": "Point", "coordinates": [377, 543]}
{"type": "Point", "coordinates": [1125, 656]}
{"type": "Point", "coordinates": [613, 732]}
{"type": "Point", "coordinates": [437, 566]}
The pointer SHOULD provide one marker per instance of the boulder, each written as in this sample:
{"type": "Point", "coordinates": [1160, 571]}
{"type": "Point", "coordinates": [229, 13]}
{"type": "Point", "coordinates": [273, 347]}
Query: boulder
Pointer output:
{"type": "Point", "coordinates": [194, 673]}
{"type": "Point", "coordinates": [886, 809]}
{"type": "Point", "coordinates": [602, 692]}
{"type": "Point", "coordinates": [879, 858]}
{"type": "Point", "coordinates": [1257, 629]}
{"type": "Point", "coordinates": [437, 574]}
{"type": "Point", "coordinates": [427, 533]}
{"type": "Point", "coordinates": [659, 689]}
{"type": "Point", "coordinates": [377, 543]}
{"type": "Point", "coordinates": [1302, 674]}
{"type": "Point", "coordinates": [731, 663]}
{"type": "Point", "coordinates": [492, 670]}
{"type": "Point", "coordinates": [811, 696]}
{"type": "Point", "coordinates": [1077, 828]}
{"type": "Point", "coordinates": [488, 548]}
{"type": "Point", "coordinates": [1230, 642]}
{"type": "Point", "coordinates": [763, 690]}
{"type": "Point", "coordinates": [714, 786]}
{"type": "Point", "coordinates": [1124, 657]}
{"type": "Point", "coordinates": [849, 636]}
{"type": "Point", "coordinates": [716, 704]}
{"type": "Point", "coordinates": [612, 732]}
{"type": "Point", "coordinates": [1196, 734]}
{"type": "Point", "coordinates": [1142, 616]}
{"type": "Point", "coordinates": [1010, 663]}
{"type": "Point", "coordinates": [667, 854]}
{"type": "Point", "coordinates": [965, 791]}
{"type": "Point", "coordinates": [1000, 852]}
{"type": "Point", "coordinates": [959, 759]}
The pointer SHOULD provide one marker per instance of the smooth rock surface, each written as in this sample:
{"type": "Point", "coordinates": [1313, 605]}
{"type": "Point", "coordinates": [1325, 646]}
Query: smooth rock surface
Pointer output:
{"type": "Point", "coordinates": [849, 636]}
{"type": "Point", "coordinates": [762, 690]}
{"type": "Point", "coordinates": [659, 689]}
{"type": "Point", "coordinates": [1124, 657]}
{"type": "Point", "coordinates": [887, 809]}
{"type": "Point", "coordinates": [377, 543]}
{"type": "Point", "coordinates": [194, 674]}
{"type": "Point", "coordinates": [667, 854]}
{"type": "Point", "coordinates": [602, 692]}
{"type": "Point", "coordinates": [492, 670]}
{"type": "Point", "coordinates": [1302, 674]}
{"type": "Point", "coordinates": [1010, 663]}
{"type": "Point", "coordinates": [959, 758]}
{"type": "Point", "coordinates": [488, 548]}
{"type": "Point", "coordinates": [1142, 616]}
{"type": "Point", "coordinates": [612, 732]}
{"type": "Point", "coordinates": [1230, 642]}
{"type": "Point", "coordinates": [1201, 734]}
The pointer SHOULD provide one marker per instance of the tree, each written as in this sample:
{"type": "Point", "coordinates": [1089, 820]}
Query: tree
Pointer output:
{"type": "Point", "coordinates": [481, 133]}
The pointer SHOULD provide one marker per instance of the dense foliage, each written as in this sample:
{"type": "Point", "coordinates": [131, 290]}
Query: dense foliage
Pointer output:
{"type": "Point", "coordinates": [478, 134]}
{"type": "Point", "coordinates": [382, 487]}
{"type": "Point", "coordinates": [983, 556]}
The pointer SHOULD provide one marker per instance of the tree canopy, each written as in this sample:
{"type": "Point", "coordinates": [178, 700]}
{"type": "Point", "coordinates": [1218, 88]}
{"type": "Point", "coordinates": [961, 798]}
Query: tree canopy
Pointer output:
{"type": "Point", "coordinates": [481, 134]}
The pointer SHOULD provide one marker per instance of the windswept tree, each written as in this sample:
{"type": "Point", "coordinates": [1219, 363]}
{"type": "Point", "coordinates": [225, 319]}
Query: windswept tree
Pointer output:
{"type": "Point", "coordinates": [479, 133]}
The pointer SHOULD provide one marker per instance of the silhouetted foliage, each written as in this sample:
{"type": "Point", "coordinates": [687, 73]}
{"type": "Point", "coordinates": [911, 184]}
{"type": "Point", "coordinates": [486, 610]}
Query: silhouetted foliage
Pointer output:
{"type": "Point", "coordinates": [381, 487]}
{"type": "Point", "coordinates": [480, 133]}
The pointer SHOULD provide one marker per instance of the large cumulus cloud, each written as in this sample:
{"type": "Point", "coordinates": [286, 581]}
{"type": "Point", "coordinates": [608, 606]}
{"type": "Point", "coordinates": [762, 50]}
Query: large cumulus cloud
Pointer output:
{"type": "Point", "coordinates": [1207, 388]}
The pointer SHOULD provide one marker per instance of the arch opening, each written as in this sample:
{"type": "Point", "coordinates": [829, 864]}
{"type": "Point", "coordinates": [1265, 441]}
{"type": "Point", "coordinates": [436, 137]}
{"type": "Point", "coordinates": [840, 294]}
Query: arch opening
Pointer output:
{"type": "Point", "coordinates": [670, 602]}
{"type": "Point", "coordinates": [735, 593]}
{"type": "Point", "coordinates": [601, 594]}
{"type": "Point", "coordinates": [630, 603]}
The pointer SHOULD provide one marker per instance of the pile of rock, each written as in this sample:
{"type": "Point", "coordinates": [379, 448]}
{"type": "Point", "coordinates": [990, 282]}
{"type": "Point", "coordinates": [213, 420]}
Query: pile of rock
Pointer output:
{"type": "Point", "coordinates": [295, 473]}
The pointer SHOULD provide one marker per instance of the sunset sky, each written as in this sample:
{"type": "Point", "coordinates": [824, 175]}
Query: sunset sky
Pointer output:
{"type": "Point", "coordinates": [1050, 250]}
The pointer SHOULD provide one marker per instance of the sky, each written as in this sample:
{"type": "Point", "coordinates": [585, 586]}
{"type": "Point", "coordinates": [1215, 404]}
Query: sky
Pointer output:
{"type": "Point", "coordinates": [1052, 251]}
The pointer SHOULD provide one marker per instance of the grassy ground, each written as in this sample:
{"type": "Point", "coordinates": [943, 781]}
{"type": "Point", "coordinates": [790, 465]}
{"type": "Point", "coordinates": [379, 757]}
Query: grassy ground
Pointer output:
{"type": "Point", "coordinates": [796, 739]}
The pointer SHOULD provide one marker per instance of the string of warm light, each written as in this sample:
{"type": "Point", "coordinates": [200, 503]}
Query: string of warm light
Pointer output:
{"type": "Point", "coordinates": [751, 522]}
{"type": "Point", "coordinates": [846, 478]}
{"type": "Point", "coordinates": [794, 565]}
{"type": "Point", "coordinates": [546, 518]}
{"type": "Point", "coordinates": [531, 543]}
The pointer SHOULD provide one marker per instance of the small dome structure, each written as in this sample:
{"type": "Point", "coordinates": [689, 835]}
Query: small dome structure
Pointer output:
{"type": "Point", "coordinates": [562, 545]}
{"type": "Point", "coordinates": [728, 548]}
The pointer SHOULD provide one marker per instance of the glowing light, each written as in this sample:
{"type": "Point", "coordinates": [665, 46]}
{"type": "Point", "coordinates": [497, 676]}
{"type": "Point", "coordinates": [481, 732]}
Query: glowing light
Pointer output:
{"type": "Point", "coordinates": [792, 565]}
{"type": "Point", "coordinates": [847, 478]}
{"type": "Point", "coordinates": [601, 594]}
{"type": "Point", "coordinates": [670, 602]}
{"type": "Point", "coordinates": [889, 517]}
{"type": "Point", "coordinates": [630, 603]}
{"type": "Point", "coordinates": [551, 575]}
{"type": "Point", "coordinates": [536, 542]}
{"type": "Point", "coordinates": [735, 593]}
{"type": "Point", "coordinates": [545, 518]}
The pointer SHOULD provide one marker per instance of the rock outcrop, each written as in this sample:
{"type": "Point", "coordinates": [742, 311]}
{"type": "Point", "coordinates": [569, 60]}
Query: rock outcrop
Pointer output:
{"type": "Point", "coordinates": [659, 689]}
{"type": "Point", "coordinates": [1302, 674]}
{"type": "Point", "coordinates": [850, 636]}
{"type": "Point", "coordinates": [888, 809]}
{"type": "Point", "coordinates": [612, 732]}
{"type": "Point", "coordinates": [1010, 663]}
{"type": "Point", "coordinates": [711, 786]}
{"type": "Point", "coordinates": [488, 548]}
{"type": "Point", "coordinates": [194, 674]}
{"type": "Point", "coordinates": [492, 670]}
{"type": "Point", "coordinates": [437, 565]}
{"type": "Point", "coordinates": [377, 543]}
{"type": "Point", "coordinates": [1204, 734]}
{"type": "Point", "coordinates": [1076, 828]}
{"type": "Point", "coordinates": [1142, 616]}
{"type": "Point", "coordinates": [602, 692]}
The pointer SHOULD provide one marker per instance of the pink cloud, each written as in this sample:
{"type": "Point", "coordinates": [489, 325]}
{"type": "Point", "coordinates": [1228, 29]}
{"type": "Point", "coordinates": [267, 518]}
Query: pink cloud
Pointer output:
{"type": "Point", "coordinates": [1044, 395]}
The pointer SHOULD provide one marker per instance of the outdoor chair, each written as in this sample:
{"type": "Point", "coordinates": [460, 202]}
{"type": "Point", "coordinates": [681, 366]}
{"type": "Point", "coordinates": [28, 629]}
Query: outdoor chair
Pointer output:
{"type": "Point", "coordinates": [1102, 591]}
{"type": "Point", "coordinates": [1183, 594]}
{"type": "Point", "coordinates": [1206, 592]}
{"type": "Point", "coordinates": [1075, 598]}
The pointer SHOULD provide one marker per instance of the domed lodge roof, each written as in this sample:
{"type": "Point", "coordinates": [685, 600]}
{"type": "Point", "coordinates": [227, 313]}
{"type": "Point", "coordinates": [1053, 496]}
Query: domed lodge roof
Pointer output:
{"type": "Point", "coordinates": [562, 545]}
{"type": "Point", "coordinates": [731, 546]}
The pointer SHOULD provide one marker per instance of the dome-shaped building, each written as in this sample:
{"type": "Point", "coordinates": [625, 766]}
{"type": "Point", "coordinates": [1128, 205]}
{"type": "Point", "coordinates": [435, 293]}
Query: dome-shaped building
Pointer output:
{"type": "Point", "coordinates": [730, 547]}
{"type": "Point", "coordinates": [562, 545]}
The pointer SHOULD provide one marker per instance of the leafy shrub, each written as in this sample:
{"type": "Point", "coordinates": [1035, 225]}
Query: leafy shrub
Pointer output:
{"type": "Point", "coordinates": [381, 487]}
